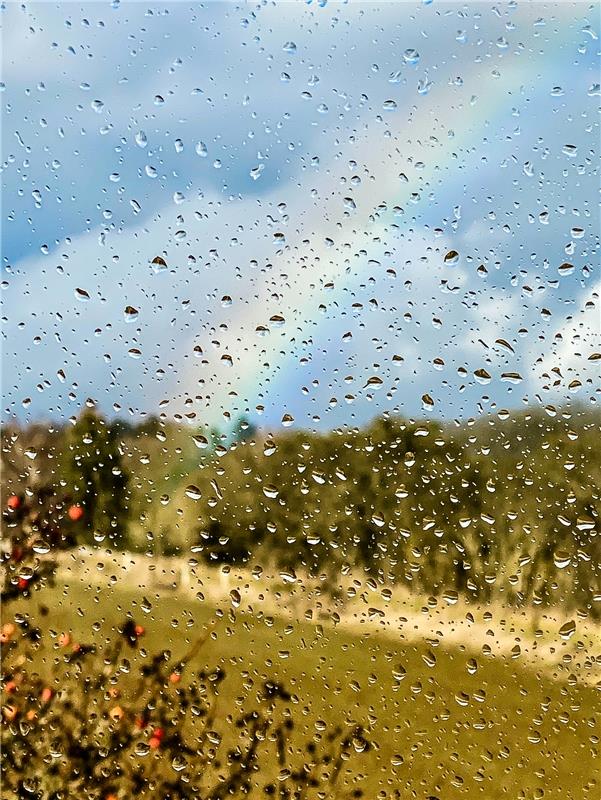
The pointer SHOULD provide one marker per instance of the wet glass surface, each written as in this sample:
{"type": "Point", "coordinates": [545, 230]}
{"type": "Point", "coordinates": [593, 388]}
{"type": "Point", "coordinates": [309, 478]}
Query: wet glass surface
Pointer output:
{"type": "Point", "coordinates": [300, 385]}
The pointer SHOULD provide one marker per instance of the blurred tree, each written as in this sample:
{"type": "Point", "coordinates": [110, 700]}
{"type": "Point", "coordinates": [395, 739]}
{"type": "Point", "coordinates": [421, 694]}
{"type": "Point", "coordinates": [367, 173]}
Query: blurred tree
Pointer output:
{"type": "Point", "coordinates": [244, 430]}
{"type": "Point", "coordinates": [96, 480]}
{"type": "Point", "coordinates": [219, 548]}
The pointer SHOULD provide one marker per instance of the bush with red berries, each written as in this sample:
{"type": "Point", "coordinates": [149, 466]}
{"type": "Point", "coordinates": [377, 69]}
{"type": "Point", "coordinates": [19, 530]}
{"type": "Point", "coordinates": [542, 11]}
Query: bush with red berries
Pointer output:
{"type": "Point", "coordinates": [100, 726]}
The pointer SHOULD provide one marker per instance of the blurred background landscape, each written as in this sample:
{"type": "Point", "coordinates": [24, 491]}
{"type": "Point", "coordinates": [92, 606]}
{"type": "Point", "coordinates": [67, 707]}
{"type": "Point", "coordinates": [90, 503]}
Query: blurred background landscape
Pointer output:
{"type": "Point", "coordinates": [428, 602]}
{"type": "Point", "coordinates": [504, 507]}
{"type": "Point", "coordinates": [301, 338]}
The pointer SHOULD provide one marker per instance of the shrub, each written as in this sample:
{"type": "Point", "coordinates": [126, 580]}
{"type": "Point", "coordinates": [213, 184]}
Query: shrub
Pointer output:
{"type": "Point", "coordinates": [92, 728]}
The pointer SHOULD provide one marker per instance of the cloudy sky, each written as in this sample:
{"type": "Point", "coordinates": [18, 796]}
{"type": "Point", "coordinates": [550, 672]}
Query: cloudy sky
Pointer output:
{"type": "Point", "coordinates": [356, 208]}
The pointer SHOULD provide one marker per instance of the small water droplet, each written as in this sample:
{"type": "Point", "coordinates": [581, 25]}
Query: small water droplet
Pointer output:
{"type": "Point", "coordinates": [451, 258]}
{"type": "Point", "coordinates": [411, 56]}
{"type": "Point", "coordinates": [567, 630]}
{"type": "Point", "coordinates": [193, 492]}
{"type": "Point", "coordinates": [130, 313]}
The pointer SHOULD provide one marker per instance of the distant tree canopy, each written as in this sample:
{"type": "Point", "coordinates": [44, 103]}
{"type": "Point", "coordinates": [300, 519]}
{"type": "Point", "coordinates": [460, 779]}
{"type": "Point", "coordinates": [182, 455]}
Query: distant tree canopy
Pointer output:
{"type": "Point", "coordinates": [505, 506]}
{"type": "Point", "coordinates": [95, 478]}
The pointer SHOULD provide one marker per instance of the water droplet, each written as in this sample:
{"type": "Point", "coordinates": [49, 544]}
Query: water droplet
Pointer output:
{"type": "Point", "coordinates": [561, 559]}
{"type": "Point", "coordinates": [429, 659]}
{"type": "Point", "coordinates": [288, 576]}
{"type": "Point", "coordinates": [399, 673]}
{"type": "Point", "coordinates": [411, 56]}
{"type": "Point", "coordinates": [130, 313]}
{"type": "Point", "coordinates": [193, 492]}
{"type": "Point", "coordinates": [178, 763]}
{"type": "Point", "coordinates": [427, 402]}
{"type": "Point", "coordinates": [450, 596]}
{"type": "Point", "coordinates": [451, 258]}
{"type": "Point", "coordinates": [482, 376]}
{"type": "Point", "coordinates": [423, 86]}
{"type": "Point", "coordinates": [159, 264]}
{"type": "Point", "coordinates": [142, 749]}
{"type": "Point", "coordinates": [567, 630]}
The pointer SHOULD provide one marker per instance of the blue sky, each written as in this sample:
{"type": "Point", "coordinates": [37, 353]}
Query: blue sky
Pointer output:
{"type": "Point", "coordinates": [303, 170]}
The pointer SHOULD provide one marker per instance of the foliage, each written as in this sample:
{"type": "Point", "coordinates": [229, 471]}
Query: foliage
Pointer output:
{"type": "Point", "coordinates": [94, 731]}
{"type": "Point", "coordinates": [504, 507]}
{"type": "Point", "coordinates": [94, 475]}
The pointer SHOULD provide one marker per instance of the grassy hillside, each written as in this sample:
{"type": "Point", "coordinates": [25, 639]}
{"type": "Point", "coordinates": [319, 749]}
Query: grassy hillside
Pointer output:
{"type": "Point", "coordinates": [445, 720]}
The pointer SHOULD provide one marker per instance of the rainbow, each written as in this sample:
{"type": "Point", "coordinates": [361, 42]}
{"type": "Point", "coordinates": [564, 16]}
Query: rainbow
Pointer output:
{"type": "Point", "coordinates": [337, 264]}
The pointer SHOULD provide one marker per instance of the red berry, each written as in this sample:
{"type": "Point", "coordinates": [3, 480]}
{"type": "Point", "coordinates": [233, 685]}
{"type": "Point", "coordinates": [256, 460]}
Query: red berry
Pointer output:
{"type": "Point", "coordinates": [8, 629]}
{"type": "Point", "coordinates": [13, 502]}
{"type": "Point", "coordinates": [154, 742]}
{"type": "Point", "coordinates": [16, 554]}
{"type": "Point", "coordinates": [46, 695]}
{"type": "Point", "coordinates": [75, 513]}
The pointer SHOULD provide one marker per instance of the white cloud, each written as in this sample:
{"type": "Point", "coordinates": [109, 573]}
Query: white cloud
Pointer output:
{"type": "Point", "coordinates": [568, 365]}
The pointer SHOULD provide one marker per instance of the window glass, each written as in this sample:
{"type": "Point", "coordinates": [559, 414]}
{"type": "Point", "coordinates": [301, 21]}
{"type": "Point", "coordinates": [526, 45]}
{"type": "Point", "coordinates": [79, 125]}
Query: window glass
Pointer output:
{"type": "Point", "coordinates": [300, 385]}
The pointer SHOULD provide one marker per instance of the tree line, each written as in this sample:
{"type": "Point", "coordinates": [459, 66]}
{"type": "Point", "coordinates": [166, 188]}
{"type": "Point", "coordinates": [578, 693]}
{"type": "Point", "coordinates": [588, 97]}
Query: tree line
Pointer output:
{"type": "Point", "coordinates": [506, 506]}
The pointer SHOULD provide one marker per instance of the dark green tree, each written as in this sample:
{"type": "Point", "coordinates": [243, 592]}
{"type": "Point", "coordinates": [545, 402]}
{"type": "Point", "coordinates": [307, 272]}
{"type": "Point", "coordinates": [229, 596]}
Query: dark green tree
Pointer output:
{"type": "Point", "coordinates": [96, 478]}
{"type": "Point", "coordinates": [244, 430]}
